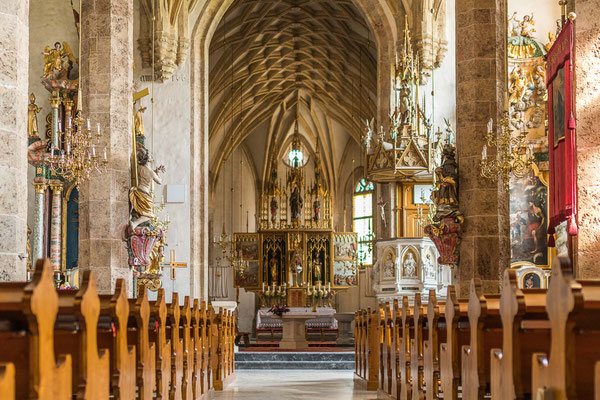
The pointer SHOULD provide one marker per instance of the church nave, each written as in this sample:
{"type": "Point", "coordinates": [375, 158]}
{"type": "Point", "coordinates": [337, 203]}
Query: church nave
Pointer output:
{"type": "Point", "coordinates": [293, 385]}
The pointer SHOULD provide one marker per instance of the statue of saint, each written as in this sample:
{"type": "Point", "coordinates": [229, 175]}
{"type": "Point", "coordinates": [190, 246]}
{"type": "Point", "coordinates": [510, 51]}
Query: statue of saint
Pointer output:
{"type": "Point", "coordinates": [32, 111]}
{"type": "Point", "coordinates": [447, 179]}
{"type": "Point", "coordinates": [157, 256]}
{"type": "Point", "coordinates": [317, 210]}
{"type": "Point", "coordinates": [138, 122]}
{"type": "Point", "coordinates": [410, 266]}
{"type": "Point", "coordinates": [317, 270]}
{"type": "Point", "coordinates": [389, 267]}
{"type": "Point", "coordinates": [142, 196]}
{"type": "Point", "coordinates": [53, 60]}
{"type": "Point", "coordinates": [274, 207]}
{"type": "Point", "coordinates": [296, 203]}
{"type": "Point", "coordinates": [273, 268]}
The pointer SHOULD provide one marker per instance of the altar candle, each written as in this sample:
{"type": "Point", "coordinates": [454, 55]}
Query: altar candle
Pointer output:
{"type": "Point", "coordinates": [105, 158]}
{"type": "Point", "coordinates": [329, 286]}
{"type": "Point", "coordinates": [319, 285]}
{"type": "Point", "coordinates": [263, 287]}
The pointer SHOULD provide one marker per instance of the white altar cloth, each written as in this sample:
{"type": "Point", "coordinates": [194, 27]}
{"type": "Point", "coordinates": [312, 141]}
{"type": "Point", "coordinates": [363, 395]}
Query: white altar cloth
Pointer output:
{"type": "Point", "coordinates": [325, 318]}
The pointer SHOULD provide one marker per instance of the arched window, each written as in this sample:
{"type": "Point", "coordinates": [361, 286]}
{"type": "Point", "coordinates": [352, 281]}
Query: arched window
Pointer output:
{"type": "Point", "coordinates": [362, 220]}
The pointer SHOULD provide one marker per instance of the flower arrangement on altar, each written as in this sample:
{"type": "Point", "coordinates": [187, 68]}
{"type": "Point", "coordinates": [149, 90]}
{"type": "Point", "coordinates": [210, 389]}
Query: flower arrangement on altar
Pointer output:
{"type": "Point", "coordinates": [321, 293]}
{"type": "Point", "coordinates": [274, 292]}
{"type": "Point", "coordinates": [279, 310]}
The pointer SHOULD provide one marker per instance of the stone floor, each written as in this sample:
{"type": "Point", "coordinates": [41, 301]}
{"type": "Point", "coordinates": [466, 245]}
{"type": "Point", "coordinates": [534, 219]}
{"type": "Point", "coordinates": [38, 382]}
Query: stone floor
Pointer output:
{"type": "Point", "coordinates": [292, 385]}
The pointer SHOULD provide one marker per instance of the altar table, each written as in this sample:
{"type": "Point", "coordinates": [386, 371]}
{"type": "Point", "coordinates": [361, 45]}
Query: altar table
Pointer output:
{"type": "Point", "coordinates": [323, 318]}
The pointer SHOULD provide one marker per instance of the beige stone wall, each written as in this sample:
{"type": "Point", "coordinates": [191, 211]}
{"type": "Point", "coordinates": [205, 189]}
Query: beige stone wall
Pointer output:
{"type": "Point", "coordinates": [480, 83]}
{"type": "Point", "coordinates": [107, 67]}
{"type": "Point", "coordinates": [14, 42]}
{"type": "Point", "coordinates": [587, 83]}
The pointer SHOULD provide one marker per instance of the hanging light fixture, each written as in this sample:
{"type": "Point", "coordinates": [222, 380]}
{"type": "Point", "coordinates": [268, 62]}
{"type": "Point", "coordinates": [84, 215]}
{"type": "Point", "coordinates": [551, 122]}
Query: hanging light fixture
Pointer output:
{"type": "Point", "coordinates": [513, 157]}
{"type": "Point", "coordinates": [79, 158]}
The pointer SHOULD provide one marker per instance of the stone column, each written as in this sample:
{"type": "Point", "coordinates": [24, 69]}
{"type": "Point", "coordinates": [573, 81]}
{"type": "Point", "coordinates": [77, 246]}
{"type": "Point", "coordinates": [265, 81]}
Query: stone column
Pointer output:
{"type": "Point", "coordinates": [14, 69]}
{"type": "Point", "coordinates": [56, 228]}
{"type": "Point", "coordinates": [587, 81]}
{"type": "Point", "coordinates": [107, 77]}
{"type": "Point", "coordinates": [54, 105]}
{"type": "Point", "coordinates": [480, 86]}
{"type": "Point", "coordinates": [37, 231]}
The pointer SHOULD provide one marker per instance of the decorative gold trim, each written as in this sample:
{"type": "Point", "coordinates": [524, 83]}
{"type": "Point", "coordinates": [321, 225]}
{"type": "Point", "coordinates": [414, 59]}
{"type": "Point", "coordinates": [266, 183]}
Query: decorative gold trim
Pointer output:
{"type": "Point", "coordinates": [40, 188]}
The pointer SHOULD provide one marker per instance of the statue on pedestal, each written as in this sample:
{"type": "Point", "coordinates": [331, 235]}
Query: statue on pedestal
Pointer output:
{"type": "Point", "coordinates": [296, 204]}
{"type": "Point", "coordinates": [142, 195]}
{"type": "Point", "coordinates": [32, 123]}
{"type": "Point", "coordinates": [54, 67]}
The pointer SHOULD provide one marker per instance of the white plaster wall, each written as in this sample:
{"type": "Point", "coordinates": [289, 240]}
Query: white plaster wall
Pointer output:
{"type": "Point", "coordinates": [241, 177]}
{"type": "Point", "coordinates": [50, 21]}
{"type": "Point", "coordinates": [443, 82]}
{"type": "Point", "coordinates": [170, 145]}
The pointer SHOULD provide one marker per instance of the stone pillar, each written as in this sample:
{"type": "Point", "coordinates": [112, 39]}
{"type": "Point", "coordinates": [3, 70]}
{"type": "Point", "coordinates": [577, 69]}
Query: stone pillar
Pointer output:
{"type": "Point", "coordinates": [107, 78]}
{"type": "Point", "coordinates": [14, 69]}
{"type": "Point", "coordinates": [587, 81]}
{"type": "Point", "coordinates": [37, 231]}
{"type": "Point", "coordinates": [480, 86]}
{"type": "Point", "coordinates": [56, 228]}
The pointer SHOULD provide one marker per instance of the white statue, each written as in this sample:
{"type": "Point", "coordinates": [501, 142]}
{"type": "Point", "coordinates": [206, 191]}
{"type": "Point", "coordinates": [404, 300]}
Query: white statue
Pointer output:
{"type": "Point", "coordinates": [369, 134]}
{"type": "Point", "coordinates": [428, 267]}
{"type": "Point", "coordinates": [389, 267]}
{"type": "Point", "coordinates": [410, 266]}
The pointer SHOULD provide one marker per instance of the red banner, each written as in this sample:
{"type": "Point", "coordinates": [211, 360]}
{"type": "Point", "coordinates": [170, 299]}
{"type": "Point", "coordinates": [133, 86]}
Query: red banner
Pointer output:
{"type": "Point", "coordinates": [561, 133]}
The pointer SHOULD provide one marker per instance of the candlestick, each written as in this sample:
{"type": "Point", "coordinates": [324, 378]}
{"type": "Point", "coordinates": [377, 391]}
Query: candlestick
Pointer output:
{"type": "Point", "coordinates": [105, 157]}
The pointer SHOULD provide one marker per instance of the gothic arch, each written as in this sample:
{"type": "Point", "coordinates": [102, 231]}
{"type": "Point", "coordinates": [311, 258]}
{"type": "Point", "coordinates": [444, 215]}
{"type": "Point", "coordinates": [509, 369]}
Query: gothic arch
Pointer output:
{"type": "Point", "coordinates": [381, 21]}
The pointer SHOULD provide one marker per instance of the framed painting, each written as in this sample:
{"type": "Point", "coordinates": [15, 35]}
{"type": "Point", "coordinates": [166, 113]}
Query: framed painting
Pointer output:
{"type": "Point", "coordinates": [529, 219]}
{"type": "Point", "coordinates": [248, 246]}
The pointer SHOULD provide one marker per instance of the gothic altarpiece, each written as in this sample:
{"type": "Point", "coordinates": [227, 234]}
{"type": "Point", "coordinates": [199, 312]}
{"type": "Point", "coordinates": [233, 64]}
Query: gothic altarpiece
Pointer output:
{"type": "Point", "coordinates": [296, 252]}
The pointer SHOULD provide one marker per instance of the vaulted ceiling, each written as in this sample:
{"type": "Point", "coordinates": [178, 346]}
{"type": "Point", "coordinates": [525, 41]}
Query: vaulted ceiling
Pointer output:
{"type": "Point", "coordinates": [275, 61]}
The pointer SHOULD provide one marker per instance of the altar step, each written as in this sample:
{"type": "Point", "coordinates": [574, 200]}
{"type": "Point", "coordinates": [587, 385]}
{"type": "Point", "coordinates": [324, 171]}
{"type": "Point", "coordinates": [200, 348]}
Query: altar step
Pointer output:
{"type": "Point", "coordinates": [295, 360]}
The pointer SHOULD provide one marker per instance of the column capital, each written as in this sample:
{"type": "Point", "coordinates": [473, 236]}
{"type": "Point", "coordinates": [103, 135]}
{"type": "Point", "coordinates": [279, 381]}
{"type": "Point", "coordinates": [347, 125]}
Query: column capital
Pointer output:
{"type": "Point", "coordinates": [56, 188]}
{"type": "Point", "coordinates": [40, 187]}
{"type": "Point", "coordinates": [54, 101]}
{"type": "Point", "coordinates": [68, 104]}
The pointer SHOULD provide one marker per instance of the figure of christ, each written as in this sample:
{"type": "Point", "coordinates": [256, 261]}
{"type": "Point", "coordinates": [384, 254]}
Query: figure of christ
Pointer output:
{"type": "Point", "coordinates": [273, 269]}
{"type": "Point", "coordinates": [142, 196]}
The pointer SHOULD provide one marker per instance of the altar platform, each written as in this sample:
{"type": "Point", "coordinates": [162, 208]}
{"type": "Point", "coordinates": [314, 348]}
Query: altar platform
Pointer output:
{"type": "Point", "coordinates": [329, 359]}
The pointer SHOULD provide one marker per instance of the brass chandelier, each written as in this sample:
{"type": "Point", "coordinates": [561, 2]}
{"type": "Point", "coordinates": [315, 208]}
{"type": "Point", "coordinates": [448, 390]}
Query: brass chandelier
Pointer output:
{"type": "Point", "coordinates": [78, 158]}
{"type": "Point", "coordinates": [513, 157]}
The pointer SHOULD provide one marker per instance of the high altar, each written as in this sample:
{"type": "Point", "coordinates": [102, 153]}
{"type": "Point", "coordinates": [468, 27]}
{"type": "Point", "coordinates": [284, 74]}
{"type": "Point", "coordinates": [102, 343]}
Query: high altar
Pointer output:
{"type": "Point", "coordinates": [296, 252]}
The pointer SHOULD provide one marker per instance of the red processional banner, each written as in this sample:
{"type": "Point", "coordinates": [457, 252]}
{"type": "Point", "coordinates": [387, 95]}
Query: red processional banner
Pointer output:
{"type": "Point", "coordinates": [561, 134]}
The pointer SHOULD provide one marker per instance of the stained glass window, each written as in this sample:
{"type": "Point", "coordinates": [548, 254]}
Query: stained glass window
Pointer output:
{"type": "Point", "coordinates": [362, 218]}
{"type": "Point", "coordinates": [295, 158]}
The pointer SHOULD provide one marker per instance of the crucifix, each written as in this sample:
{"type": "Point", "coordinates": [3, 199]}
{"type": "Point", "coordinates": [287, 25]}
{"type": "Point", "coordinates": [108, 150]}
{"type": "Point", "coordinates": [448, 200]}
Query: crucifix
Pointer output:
{"type": "Point", "coordinates": [382, 205]}
{"type": "Point", "coordinates": [173, 264]}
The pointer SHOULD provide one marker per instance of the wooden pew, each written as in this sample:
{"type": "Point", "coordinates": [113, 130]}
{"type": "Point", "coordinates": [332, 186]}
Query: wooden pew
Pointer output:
{"type": "Point", "coordinates": [525, 331]}
{"type": "Point", "coordinates": [163, 347]}
{"type": "Point", "coordinates": [188, 350]}
{"type": "Point", "coordinates": [385, 348]}
{"type": "Point", "coordinates": [457, 335]}
{"type": "Point", "coordinates": [573, 309]}
{"type": "Point", "coordinates": [404, 381]}
{"type": "Point", "coordinates": [75, 333]}
{"type": "Point", "coordinates": [112, 334]}
{"type": "Point", "coordinates": [176, 349]}
{"type": "Point", "coordinates": [138, 332]}
{"type": "Point", "coordinates": [373, 338]}
{"type": "Point", "coordinates": [28, 313]}
{"type": "Point", "coordinates": [485, 328]}
{"type": "Point", "coordinates": [396, 343]}
{"type": "Point", "coordinates": [416, 350]}
{"type": "Point", "coordinates": [7, 381]}
{"type": "Point", "coordinates": [436, 333]}
{"type": "Point", "coordinates": [200, 384]}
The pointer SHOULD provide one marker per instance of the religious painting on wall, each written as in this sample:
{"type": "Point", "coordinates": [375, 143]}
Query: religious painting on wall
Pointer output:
{"type": "Point", "coordinates": [247, 246]}
{"type": "Point", "coordinates": [529, 219]}
{"type": "Point", "coordinates": [345, 269]}
{"type": "Point", "coordinates": [558, 106]}
{"type": "Point", "coordinates": [531, 280]}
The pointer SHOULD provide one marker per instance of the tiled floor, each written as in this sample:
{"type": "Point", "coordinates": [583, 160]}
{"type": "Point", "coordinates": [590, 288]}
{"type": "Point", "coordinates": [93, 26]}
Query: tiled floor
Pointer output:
{"type": "Point", "coordinates": [292, 385]}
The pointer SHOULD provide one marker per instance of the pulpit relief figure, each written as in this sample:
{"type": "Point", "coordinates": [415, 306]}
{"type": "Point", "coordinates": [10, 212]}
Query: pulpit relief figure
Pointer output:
{"type": "Point", "coordinates": [142, 195]}
{"type": "Point", "coordinates": [410, 266]}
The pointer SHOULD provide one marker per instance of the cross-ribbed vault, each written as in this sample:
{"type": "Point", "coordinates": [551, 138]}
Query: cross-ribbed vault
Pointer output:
{"type": "Point", "coordinates": [272, 61]}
